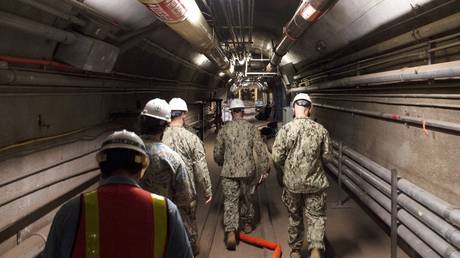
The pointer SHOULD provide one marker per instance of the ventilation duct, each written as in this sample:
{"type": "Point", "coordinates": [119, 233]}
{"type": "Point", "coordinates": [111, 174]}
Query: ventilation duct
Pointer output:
{"type": "Point", "coordinates": [308, 13]}
{"type": "Point", "coordinates": [185, 18]}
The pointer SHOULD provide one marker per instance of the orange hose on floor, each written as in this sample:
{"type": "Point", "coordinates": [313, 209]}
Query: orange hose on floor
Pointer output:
{"type": "Point", "coordinates": [262, 243]}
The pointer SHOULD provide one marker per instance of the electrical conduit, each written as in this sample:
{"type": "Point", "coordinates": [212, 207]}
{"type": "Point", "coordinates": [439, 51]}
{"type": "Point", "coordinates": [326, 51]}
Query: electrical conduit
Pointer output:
{"type": "Point", "coordinates": [186, 19]}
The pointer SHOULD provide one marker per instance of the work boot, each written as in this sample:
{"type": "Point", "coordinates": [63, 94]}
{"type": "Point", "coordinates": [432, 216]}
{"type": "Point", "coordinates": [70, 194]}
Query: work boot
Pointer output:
{"type": "Point", "coordinates": [230, 240]}
{"type": "Point", "coordinates": [247, 228]}
{"type": "Point", "coordinates": [295, 254]}
{"type": "Point", "coordinates": [315, 253]}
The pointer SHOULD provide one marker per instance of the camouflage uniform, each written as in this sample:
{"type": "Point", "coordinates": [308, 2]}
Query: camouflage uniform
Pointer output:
{"type": "Point", "coordinates": [191, 149]}
{"type": "Point", "coordinates": [191, 129]}
{"type": "Point", "coordinates": [299, 148]}
{"type": "Point", "coordinates": [238, 146]}
{"type": "Point", "coordinates": [167, 176]}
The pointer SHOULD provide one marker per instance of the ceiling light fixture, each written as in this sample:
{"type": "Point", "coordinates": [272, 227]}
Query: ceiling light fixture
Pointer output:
{"type": "Point", "coordinates": [200, 59]}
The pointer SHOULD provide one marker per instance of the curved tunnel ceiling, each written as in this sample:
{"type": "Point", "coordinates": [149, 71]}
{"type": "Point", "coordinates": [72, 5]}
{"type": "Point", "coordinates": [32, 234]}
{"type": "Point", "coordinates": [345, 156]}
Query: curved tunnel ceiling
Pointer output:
{"type": "Point", "coordinates": [345, 23]}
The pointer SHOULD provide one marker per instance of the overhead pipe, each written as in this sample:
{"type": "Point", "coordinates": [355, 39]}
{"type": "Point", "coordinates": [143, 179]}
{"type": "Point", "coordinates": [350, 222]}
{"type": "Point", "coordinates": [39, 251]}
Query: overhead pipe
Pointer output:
{"type": "Point", "coordinates": [94, 14]}
{"type": "Point", "coordinates": [36, 28]}
{"type": "Point", "coordinates": [397, 95]}
{"type": "Point", "coordinates": [186, 19]}
{"type": "Point", "coordinates": [29, 61]}
{"type": "Point", "coordinates": [406, 104]}
{"type": "Point", "coordinates": [19, 77]}
{"type": "Point", "coordinates": [424, 123]}
{"type": "Point", "coordinates": [52, 11]}
{"type": "Point", "coordinates": [394, 56]}
{"type": "Point", "coordinates": [229, 22]}
{"type": "Point", "coordinates": [425, 72]}
{"type": "Point", "coordinates": [307, 14]}
{"type": "Point", "coordinates": [437, 27]}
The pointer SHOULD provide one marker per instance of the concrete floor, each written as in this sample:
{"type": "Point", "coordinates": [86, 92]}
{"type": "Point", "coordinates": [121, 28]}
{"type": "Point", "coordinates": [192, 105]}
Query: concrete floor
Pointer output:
{"type": "Point", "coordinates": [350, 231]}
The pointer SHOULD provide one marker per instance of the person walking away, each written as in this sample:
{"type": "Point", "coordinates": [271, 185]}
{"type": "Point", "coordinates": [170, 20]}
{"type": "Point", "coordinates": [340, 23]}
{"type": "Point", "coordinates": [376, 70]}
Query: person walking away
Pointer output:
{"type": "Point", "coordinates": [167, 173]}
{"type": "Point", "coordinates": [237, 148]}
{"type": "Point", "coordinates": [300, 148]}
{"type": "Point", "coordinates": [192, 152]}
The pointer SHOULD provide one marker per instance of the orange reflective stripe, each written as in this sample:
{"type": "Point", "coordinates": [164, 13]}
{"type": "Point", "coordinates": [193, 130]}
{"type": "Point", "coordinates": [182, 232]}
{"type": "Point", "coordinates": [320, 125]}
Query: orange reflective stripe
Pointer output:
{"type": "Point", "coordinates": [91, 224]}
{"type": "Point", "coordinates": [160, 224]}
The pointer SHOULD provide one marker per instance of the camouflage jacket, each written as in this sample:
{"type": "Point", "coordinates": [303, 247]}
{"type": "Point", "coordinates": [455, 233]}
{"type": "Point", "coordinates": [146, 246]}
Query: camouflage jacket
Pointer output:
{"type": "Point", "coordinates": [167, 175]}
{"type": "Point", "coordinates": [240, 149]}
{"type": "Point", "coordinates": [191, 149]}
{"type": "Point", "coordinates": [300, 147]}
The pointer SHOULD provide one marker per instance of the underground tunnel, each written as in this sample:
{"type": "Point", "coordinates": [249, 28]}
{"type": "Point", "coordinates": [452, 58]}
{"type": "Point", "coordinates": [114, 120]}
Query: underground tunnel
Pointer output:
{"type": "Point", "coordinates": [382, 78]}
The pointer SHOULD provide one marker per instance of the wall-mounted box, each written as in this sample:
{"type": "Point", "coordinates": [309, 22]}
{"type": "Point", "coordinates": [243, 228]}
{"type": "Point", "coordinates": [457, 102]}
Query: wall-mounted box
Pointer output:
{"type": "Point", "coordinates": [89, 54]}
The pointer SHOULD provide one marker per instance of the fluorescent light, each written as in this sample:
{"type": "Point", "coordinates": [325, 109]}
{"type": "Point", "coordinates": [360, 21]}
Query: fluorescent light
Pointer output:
{"type": "Point", "coordinates": [308, 11]}
{"type": "Point", "coordinates": [200, 59]}
{"type": "Point", "coordinates": [193, 12]}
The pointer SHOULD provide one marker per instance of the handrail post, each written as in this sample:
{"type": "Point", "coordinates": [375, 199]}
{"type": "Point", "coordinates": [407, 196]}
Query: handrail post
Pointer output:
{"type": "Point", "coordinates": [394, 213]}
{"type": "Point", "coordinates": [339, 174]}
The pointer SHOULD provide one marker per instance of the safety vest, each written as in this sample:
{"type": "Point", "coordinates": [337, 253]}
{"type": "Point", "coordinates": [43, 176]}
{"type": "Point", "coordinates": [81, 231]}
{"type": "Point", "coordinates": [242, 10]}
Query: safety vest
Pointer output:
{"type": "Point", "coordinates": [121, 221]}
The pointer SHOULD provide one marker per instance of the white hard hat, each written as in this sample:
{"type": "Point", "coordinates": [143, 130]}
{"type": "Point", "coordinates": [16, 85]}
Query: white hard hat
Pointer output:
{"type": "Point", "coordinates": [301, 96]}
{"type": "Point", "coordinates": [178, 104]}
{"type": "Point", "coordinates": [157, 108]}
{"type": "Point", "coordinates": [124, 140]}
{"type": "Point", "coordinates": [236, 103]}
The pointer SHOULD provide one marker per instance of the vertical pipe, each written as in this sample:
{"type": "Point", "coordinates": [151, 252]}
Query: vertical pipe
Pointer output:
{"type": "Point", "coordinates": [340, 171]}
{"type": "Point", "coordinates": [394, 213]}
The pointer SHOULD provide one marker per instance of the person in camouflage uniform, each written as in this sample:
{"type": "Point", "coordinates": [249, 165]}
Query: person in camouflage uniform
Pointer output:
{"type": "Point", "coordinates": [191, 149]}
{"type": "Point", "coordinates": [167, 173]}
{"type": "Point", "coordinates": [299, 149]}
{"type": "Point", "coordinates": [238, 146]}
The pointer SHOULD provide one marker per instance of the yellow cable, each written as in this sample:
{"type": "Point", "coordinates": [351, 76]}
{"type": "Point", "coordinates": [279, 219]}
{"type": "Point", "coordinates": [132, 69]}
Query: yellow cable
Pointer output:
{"type": "Point", "coordinates": [9, 147]}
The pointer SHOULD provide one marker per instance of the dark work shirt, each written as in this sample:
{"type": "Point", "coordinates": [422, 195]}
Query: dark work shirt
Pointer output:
{"type": "Point", "coordinates": [65, 226]}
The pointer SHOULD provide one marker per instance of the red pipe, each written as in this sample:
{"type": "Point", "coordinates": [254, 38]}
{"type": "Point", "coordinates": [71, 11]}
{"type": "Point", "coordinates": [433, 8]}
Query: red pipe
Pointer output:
{"type": "Point", "coordinates": [21, 60]}
{"type": "Point", "coordinates": [262, 243]}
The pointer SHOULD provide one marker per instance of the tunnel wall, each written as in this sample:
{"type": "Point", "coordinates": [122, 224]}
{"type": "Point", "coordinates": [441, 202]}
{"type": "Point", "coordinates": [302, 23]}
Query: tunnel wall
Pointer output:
{"type": "Point", "coordinates": [49, 136]}
{"type": "Point", "coordinates": [427, 158]}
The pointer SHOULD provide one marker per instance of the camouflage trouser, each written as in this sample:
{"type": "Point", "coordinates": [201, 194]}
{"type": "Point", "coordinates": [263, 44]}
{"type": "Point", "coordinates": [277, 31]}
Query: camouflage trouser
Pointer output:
{"type": "Point", "coordinates": [188, 215]}
{"type": "Point", "coordinates": [238, 202]}
{"type": "Point", "coordinates": [313, 207]}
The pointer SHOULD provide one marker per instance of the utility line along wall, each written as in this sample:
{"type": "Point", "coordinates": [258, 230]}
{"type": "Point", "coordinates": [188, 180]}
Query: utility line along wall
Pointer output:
{"type": "Point", "coordinates": [424, 154]}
